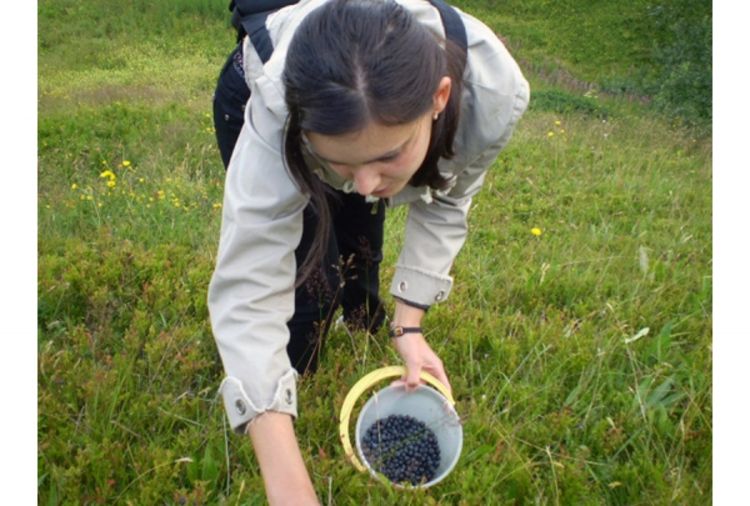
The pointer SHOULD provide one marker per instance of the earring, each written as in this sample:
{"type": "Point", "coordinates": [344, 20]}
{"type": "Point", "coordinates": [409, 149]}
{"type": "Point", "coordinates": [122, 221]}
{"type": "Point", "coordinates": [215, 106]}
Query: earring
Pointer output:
{"type": "Point", "coordinates": [435, 116]}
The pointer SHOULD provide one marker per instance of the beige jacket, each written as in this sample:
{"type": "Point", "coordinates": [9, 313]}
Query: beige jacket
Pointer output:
{"type": "Point", "coordinates": [251, 294]}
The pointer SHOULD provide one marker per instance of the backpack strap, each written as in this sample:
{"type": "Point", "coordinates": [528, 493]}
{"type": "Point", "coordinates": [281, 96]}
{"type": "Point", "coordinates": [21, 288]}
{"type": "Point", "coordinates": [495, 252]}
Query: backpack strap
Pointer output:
{"type": "Point", "coordinates": [250, 16]}
{"type": "Point", "coordinates": [255, 26]}
{"type": "Point", "coordinates": [455, 31]}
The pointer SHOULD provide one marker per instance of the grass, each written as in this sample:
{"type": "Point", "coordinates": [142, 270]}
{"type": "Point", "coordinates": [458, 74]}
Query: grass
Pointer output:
{"type": "Point", "coordinates": [580, 358]}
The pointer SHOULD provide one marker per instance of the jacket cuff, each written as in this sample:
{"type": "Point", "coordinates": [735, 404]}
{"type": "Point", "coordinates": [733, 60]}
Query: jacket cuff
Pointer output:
{"type": "Point", "coordinates": [241, 409]}
{"type": "Point", "coordinates": [418, 287]}
{"type": "Point", "coordinates": [412, 304]}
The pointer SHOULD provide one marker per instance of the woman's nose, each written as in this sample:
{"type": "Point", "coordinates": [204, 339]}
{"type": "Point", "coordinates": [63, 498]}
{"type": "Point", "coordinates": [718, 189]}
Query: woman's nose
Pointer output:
{"type": "Point", "coordinates": [366, 180]}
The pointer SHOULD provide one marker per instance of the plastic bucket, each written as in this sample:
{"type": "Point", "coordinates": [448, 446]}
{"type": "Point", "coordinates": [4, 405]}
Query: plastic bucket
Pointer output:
{"type": "Point", "coordinates": [426, 405]}
{"type": "Point", "coordinates": [432, 406]}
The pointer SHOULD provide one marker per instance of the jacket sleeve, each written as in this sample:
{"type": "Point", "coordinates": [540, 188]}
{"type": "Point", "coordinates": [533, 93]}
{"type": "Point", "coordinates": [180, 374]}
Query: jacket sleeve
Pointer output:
{"type": "Point", "coordinates": [436, 231]}
{"type": "Point", "coordinates": [251, 293]}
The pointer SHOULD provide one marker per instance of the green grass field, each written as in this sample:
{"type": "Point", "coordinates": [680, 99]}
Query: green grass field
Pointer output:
{"type": "Point", "coordinates": [580, 358]}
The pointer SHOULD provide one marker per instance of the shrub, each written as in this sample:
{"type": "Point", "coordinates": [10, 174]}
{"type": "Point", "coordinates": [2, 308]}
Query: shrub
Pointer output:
{"type": "Point", "coordinates": [682, 88]}
{"type": "Point", "coordinates": [563, 102]}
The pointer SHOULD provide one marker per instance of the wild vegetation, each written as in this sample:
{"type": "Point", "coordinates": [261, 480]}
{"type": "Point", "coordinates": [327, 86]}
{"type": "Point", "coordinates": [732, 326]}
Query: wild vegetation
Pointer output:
{"type": "Point", "coordinates": [578, 335]}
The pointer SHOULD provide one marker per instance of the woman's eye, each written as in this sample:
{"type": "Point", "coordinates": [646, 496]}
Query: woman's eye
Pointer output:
{"type": "Point", "coordinates": [389, 158]}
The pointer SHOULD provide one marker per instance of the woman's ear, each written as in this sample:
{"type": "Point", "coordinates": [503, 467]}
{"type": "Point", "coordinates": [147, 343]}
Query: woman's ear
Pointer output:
{"type": "Point", "coordinates": [441, 96]}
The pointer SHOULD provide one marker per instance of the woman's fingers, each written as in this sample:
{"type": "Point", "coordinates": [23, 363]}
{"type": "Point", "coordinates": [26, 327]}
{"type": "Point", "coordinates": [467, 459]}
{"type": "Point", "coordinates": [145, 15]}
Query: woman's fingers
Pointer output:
{"type": "Point", "coordinates": [412, 379]}
{"type": "Point", "coordinates": [401, 382]}
{"type": "Point", "coordinates": [415, 372]}
{"type": "Point", "coordinates": [418, 356]}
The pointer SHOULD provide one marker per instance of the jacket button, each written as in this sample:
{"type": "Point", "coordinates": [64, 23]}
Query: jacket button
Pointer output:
{"type": "Point", "coordinates": [226, 117]}
{"type": "Point", "coordinates": [240, 406]}
{"type": "Point", "coordinates": [402, 286]}
{"type": "Point", "coordinates": [440, 296]}
{"type": "Point", "coordinates": [288, 396]}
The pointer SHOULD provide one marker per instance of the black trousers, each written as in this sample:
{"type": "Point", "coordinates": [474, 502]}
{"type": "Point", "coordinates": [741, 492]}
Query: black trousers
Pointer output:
{"type": "Point", "coordinates": [349, 275]}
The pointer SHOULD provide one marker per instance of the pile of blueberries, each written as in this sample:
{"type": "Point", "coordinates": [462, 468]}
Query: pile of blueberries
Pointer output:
{"type": "Point", "coordinates": [403, 448]}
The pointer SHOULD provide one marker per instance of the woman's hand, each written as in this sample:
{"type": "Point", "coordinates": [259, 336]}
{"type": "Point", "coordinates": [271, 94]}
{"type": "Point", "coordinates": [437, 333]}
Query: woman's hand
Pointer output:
{"type": "Point", "coordinates": [418, 356]}
{"type": "Point", "coordinates": [414, 350]}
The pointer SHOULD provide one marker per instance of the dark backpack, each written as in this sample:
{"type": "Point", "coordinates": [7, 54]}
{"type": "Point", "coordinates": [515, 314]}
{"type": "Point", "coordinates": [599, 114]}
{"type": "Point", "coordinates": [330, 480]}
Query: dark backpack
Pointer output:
{"type": "Point", "coordinates": [249, 17]}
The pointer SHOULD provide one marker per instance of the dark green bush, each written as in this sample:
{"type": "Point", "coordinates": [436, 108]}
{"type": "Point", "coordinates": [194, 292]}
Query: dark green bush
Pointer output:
{"type": "Point", "coordinates": [683, 88]}
{"type": "Point", "coordinates": [563, 102]}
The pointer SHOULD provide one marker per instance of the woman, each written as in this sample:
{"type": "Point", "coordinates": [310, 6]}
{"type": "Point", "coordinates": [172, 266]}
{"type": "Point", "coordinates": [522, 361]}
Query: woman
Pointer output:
{"type": "Point", "coordinates": [362, 105]}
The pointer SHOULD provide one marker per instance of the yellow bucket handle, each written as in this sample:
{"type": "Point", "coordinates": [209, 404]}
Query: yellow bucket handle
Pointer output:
{"type": "Point", "coordinates": [361, 386]}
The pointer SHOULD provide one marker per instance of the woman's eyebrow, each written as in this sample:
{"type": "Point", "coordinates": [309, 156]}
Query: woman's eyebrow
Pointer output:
{"type": "Point", "coordinates": [384, 156]}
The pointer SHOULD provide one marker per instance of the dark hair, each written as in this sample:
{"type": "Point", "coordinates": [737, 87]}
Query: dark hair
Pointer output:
{"type": "Point", "coordinates": [352, 62]}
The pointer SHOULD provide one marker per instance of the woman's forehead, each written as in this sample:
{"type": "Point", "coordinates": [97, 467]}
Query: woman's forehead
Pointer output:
{"type": "Point", "coordinates": [371, 143]}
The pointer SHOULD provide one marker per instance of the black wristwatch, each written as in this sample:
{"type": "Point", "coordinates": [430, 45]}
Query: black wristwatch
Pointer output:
{"type": "Point", "coordinates": [398, 331]}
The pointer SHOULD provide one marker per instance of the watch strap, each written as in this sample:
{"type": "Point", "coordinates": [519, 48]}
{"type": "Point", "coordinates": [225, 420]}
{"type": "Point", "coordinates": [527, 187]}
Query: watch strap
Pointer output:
{"type": "Point", "coordinates": [398, 331]}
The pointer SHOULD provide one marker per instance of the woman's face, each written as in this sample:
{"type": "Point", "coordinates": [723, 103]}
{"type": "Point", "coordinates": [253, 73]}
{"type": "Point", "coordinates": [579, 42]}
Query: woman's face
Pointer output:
{"type": "Point", "coordinates": [380, 160]}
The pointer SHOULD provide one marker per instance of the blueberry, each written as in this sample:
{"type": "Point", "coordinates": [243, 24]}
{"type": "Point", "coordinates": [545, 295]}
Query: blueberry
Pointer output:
{"type": "Point", "coordinates": [402, 448]}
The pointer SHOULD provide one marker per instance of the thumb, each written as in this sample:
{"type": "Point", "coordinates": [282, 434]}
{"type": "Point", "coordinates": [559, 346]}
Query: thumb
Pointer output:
{"type": "Point", "coordinates": [412, 376]}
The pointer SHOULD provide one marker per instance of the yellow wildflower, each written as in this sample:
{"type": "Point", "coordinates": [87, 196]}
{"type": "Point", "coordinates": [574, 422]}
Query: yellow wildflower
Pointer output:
{"type": "Point", "coordinates": [108, 173]}
{"type": "Point", "coordinates": [536, 231]}
{"type": "Point", "coordinates": [562, 130]}
{"type": "Point", "coordinates": [126, 163]}
{"type": "Point", "coordinates": [111, 183]}
{"type": "Point", "coordinates": [550, 134]}
{"type": "Point", "coordinates": [217, 206]}
{"type": "Point", "coordinates": [74, 187]}
{"type": "Point", "coordinates": [160, 194]}
{"type": "Point", "coordinates": [141, 180]}
{"type": "Point", "coordinates": [557, 122]}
